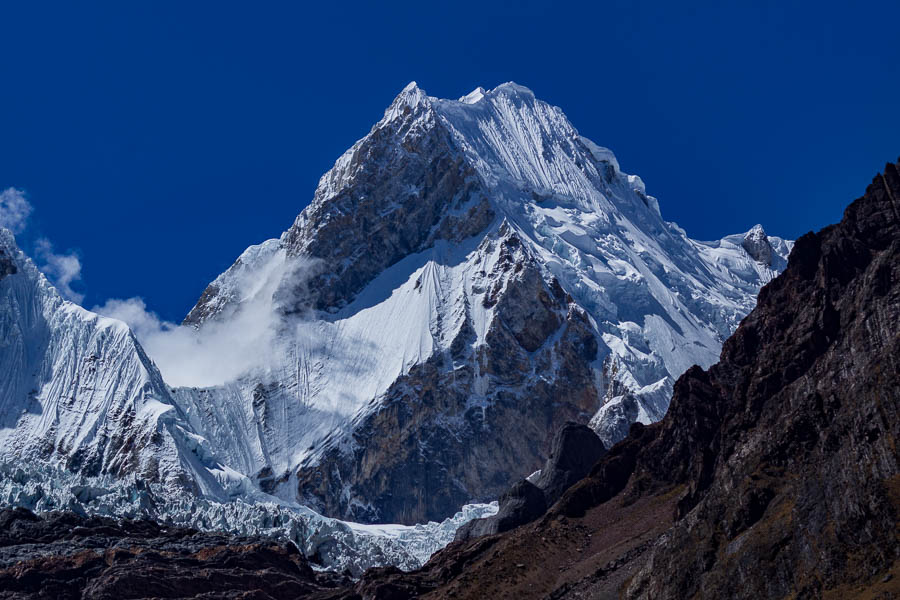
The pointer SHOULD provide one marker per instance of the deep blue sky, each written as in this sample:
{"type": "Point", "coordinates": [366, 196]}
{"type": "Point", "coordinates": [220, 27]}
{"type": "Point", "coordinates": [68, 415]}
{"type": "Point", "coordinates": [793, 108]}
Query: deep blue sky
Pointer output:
{"type": "Point", "coordinates": [158, 139]}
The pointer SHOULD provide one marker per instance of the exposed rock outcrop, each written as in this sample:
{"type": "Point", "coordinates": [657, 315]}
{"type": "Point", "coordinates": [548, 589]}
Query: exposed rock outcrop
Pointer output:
{"type": "Point", "coordinates": [574, 450]}
{"type": "Point", "coordinates": [774, 473]}
{"type": "Point", "coordinates": [757, 245]}
{"type": "Point", "coordinates": [7, 265]}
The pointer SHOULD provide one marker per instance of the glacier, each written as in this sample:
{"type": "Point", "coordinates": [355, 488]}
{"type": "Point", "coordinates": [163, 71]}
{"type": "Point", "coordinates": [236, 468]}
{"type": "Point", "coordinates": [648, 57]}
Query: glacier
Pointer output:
{"type": "Point", "coordinates": [328, 543]}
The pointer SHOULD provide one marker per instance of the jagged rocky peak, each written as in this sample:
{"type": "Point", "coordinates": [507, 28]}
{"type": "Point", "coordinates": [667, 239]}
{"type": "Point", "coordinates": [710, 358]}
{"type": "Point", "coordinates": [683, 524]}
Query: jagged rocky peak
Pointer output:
{"type": "Point", "coordinates": [757, 245]}
{"type": "Point", "coordinates": [7, 264]}
{"type": "Point", "coordinates": [78, 391]}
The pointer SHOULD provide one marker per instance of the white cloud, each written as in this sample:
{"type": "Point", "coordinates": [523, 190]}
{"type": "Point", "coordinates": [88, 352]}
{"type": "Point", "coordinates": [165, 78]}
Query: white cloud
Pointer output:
{"type": "Point", "coordinates": [61, 269]}
{"type": "Point", "coordinates": [218, 351]}
{"type": "Point", "coordinates": [14, 210]}
{"type": "Point", "coordinates": [133, 311]}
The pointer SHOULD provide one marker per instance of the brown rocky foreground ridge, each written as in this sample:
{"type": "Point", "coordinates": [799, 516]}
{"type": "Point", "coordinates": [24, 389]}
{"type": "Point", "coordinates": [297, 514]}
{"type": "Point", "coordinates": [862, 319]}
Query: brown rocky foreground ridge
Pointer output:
{"type": "Point", "coordinates": [774, 474]}
{"type": "Point", "coordinates": [64, 556]}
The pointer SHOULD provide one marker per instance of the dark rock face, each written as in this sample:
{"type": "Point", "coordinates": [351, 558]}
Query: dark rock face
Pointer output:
{"type": "Point", "coordinates": [795, 493]}
{"type": "Point", "coordinates": [203, 310]}
{"type": "Point", "coordinates": [757, 245]}
{"type": "Point", "coordinates": [575, 449]}
{"type": "Point", "coordinates": [62, 556]}
{"type": "Point", "coordinates": [774, 474]}
{"type": "Point", "coordinates": [7, 266]}
{"type": "Point", "coordinates": [522, 503]}
{"type": "Point", "coordinates": [429, 448]}
{"type": "Point", "coordinates": [411, 166]}
{"type": "Point", "coordinates": [385, 171]}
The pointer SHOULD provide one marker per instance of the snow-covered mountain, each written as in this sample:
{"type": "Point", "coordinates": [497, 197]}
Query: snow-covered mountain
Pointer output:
{"type": "Point", "coordinates": [78, 391]}
{"type": "Point", "coordinates": [87, 424]}
{"type": "Point", "coordinates": [468, 276]}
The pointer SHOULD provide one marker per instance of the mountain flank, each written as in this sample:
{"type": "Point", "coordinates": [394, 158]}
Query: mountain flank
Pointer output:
{"type": "Point", "coordinates": [775, 473]}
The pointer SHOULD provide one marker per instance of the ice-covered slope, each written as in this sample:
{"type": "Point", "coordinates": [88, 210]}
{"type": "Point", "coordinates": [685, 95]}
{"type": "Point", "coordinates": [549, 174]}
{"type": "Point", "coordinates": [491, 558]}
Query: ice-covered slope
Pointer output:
{"type": "Point", "coordinates": [468, 276]}
{"type": "Point", "coordinates": [328, 543]}
{"type": "Point", "coordinates": [660, 301]}
{"type": "Point", "coordinates": [78, 391]}
{"type": "Point", "coordinates": [87, 424]}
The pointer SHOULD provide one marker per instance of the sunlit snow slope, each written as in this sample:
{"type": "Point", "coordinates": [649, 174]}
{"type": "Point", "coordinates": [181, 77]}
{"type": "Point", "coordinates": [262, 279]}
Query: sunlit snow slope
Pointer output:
{"type": "Point", "coordinates": [467, 277]}
{"type": "Point", "coordinates": [78, 392]}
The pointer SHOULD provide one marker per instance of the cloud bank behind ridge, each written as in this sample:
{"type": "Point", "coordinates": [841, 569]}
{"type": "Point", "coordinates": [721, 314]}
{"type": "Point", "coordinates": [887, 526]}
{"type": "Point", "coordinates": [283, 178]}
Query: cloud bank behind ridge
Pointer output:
{"type": "Point", "coordinates": [218, 351]}
{"type": "Point", "coordinates": [255, 336]}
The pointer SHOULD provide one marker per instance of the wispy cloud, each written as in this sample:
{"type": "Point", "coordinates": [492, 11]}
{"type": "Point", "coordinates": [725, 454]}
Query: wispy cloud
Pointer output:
{"type": "Point", "coordinates": [133, 311]}
{"type": "Point", "coordinates": [61, 269]}
{"type": "Point", "coordinates": [213, 354]}
{"type": "Point", "coordinates": [218, 351]}
{"type": "Point", "coordinates": [14, 210]}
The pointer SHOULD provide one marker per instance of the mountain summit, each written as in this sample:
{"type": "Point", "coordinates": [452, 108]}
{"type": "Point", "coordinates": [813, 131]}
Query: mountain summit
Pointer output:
{"type": "Point", "coordinates": [468, 277]}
